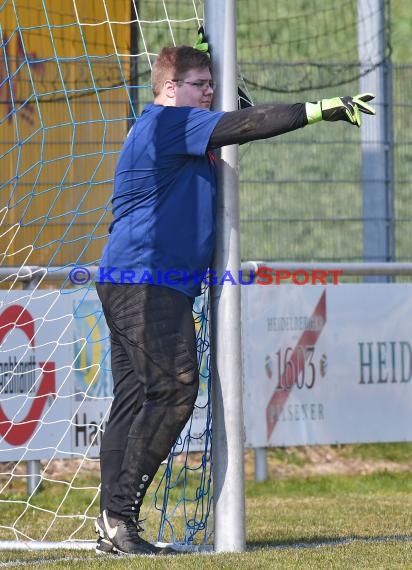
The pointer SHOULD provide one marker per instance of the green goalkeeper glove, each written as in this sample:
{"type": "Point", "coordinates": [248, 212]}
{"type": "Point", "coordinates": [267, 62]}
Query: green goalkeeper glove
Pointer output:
{"type": "Point", "coordinates": [203, 46]}
{"type": "Point", "coordinates": [201, 42]}
{"type": "Point", "coordinates": [340, 109]}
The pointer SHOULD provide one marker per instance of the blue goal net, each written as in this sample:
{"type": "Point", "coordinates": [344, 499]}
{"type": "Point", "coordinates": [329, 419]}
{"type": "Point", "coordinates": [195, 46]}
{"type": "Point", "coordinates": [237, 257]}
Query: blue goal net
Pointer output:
{"type": "Point", "coordinates": [73, 78]}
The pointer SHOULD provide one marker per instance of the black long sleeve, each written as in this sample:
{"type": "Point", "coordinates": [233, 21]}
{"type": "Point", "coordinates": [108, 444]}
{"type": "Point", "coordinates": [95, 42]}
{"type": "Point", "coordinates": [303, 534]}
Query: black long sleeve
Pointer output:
{"type": "Point", "coordinates": [258, 122]}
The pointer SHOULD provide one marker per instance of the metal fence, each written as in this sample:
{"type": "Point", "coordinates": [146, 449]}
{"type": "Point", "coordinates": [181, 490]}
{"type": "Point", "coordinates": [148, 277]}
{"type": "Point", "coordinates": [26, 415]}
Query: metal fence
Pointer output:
{"type": "Point", "coordinates": [301, 193]}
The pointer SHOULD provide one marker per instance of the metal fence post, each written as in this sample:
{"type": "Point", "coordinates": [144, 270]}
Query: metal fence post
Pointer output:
{"type": "Point", "coordinates": [261, 464]}
{"type": "Point", "coordinates": [376, 136]}
{"type": "Point", "coordinates": [33, 465]}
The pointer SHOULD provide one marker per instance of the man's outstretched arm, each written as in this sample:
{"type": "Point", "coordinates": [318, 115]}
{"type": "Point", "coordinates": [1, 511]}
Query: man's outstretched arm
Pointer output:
{"type": "Point", "coordinates": [272, 119]}
{"type": "Point", "coordinates": [259, 122]}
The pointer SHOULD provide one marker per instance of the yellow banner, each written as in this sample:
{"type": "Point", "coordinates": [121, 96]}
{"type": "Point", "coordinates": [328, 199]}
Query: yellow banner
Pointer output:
{"type": "Point", "coordinates": [64, 70]}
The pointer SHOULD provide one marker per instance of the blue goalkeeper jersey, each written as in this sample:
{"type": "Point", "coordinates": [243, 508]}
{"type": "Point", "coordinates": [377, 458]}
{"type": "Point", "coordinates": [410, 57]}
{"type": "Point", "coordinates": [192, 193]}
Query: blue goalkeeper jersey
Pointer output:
{"type": "Point", "coordinates": [163, 205]}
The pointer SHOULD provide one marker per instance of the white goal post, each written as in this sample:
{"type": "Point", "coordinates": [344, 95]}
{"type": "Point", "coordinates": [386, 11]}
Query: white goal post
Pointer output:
{"type": "Point", "coordinates": [227, 389]}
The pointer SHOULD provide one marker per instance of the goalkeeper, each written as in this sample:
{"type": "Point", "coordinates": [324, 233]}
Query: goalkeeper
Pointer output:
{"type": "Point", "coordinates": [163, 222]}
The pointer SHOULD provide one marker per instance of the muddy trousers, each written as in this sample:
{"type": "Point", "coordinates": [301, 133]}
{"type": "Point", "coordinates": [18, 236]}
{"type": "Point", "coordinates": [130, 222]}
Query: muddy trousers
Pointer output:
{"type": "Point", "coordinates": [155, 385]}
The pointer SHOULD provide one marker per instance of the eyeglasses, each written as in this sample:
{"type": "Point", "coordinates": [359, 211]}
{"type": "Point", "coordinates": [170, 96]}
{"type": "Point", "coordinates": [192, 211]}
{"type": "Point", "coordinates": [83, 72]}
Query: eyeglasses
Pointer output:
{"type": "Point", "coordinates": [201, 84]}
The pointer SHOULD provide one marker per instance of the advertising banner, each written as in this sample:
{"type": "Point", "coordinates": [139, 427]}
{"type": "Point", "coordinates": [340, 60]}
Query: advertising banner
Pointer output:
{"type": "Point", "coordinates": [327, 365]}
{"type": "Point", "coordinates": [54, 383]}
{"type": "Point", "coordinates": [55, 376]}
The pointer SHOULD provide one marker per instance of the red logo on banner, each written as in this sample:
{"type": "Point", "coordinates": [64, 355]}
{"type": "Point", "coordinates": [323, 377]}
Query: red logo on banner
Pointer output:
{"type": "Point", "coordinates": [308, 339]}
{"type": "Point", "coordinates": [17, 317]}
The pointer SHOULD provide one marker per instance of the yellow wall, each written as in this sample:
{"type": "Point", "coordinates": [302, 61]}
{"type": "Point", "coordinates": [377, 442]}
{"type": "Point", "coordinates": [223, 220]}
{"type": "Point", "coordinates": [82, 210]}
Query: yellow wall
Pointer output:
{"type": "Point", "coordinates": [60, 135]}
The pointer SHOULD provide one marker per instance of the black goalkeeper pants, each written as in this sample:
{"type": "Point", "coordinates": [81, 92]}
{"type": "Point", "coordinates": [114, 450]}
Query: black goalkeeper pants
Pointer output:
{"type": "Point", "coordinates": [155, 377]}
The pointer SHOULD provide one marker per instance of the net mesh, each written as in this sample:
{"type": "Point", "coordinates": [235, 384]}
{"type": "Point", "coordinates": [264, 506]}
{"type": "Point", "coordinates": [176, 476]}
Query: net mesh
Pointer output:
{"type": "Point", "coordinates": [307, 45]}
{"type": "Point", "coordinates": [71, 78]}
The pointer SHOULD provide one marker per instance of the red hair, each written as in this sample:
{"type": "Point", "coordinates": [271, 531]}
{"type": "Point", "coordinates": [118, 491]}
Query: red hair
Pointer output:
{"type": "Point", "coordinates": [175, 63]}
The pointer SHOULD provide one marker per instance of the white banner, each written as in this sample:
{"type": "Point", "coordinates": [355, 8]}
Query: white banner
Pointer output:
{"type": "Point", "coordinates": [326, 365]}
{"type": "Point", "coordinates": [322, 365]}
{"type": "Point", "coordinates": [55, 376]}
{"type": "Point", "coordinates": [55, 386]}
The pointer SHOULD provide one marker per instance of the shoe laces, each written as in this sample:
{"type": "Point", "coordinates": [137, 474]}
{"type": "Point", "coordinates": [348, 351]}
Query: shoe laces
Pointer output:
{"type": "Point", "coordinates": [134, 527]}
